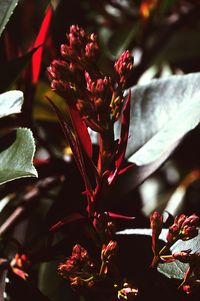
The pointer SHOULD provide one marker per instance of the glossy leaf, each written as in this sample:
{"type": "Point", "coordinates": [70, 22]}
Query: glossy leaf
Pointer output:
{"type": "Point", "coordinates": [11, 103]}
{"type": "Point", "coordinates": [16, 160]}
{"type": "Point", "coordinates": [6, 10]}
{"type": "Point", "coordinates": [161, 114]}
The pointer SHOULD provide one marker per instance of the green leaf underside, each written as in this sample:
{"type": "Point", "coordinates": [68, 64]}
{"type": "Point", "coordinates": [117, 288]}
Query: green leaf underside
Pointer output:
{"type": "Point", "coordinates": [11, 102]}
{"type": "Point", "coordinates": [6, 10]}
{"type": "Point", "coordinates": [16, 161]}
{"type": "Point", "coordinates": [162, 112]}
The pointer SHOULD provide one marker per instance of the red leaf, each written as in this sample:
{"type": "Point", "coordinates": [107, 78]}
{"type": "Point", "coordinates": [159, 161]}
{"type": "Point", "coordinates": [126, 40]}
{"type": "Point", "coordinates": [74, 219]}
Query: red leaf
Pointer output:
{"type": "Point", "coordinates": [68, 134]}
{"type": "Point", "coordinates": [40, 40]}
{"type": "Point", "coordinates": [81, 131]}
{"type": "Point", "coordinates": [75, 146]}
{"type": "Point", "coordinates": [120, 216]}
{"type": "Point", "coordinates": [67, 220]}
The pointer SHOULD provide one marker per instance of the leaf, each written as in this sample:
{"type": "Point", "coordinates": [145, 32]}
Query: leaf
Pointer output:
{"type": "Point", "coordinates": [186, 40]}
{"type": "Point", "coordinates": [121, 39]}
{"type": "Point", "coordinates": [11, 69]}
{"type": "Point", "coordinates": [81, 131]}
{"type": "Point", "coordinates": [40, 40]}
{"type": "Point", "coordinates": [11, 102]}
{"type": "Point", "coordinates": [72, 217]}
{"type": "Point", "coordinates": [134, 175]}
{"type": "Point", "coordinates": [161, 114]}
{"type": "Point", "coordinates": [59, 290]}
{"type": "Point", "coordinates": [16, 161]}
{"type": "Point", "coordinates": [6, 10]}
{"type": "Point", "coordinates": [177, 269]}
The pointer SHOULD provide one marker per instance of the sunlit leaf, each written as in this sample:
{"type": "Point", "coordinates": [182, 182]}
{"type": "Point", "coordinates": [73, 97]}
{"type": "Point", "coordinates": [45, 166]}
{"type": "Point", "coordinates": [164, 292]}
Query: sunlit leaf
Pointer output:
{"type": "Point", "coordinates": [11, 103]}
{"type": "Point", "coordinates": [16, 160]}
{"type": "Point", "coordinates": [6, 10]}
{"type": "Point", "coordinates": [161, 114]}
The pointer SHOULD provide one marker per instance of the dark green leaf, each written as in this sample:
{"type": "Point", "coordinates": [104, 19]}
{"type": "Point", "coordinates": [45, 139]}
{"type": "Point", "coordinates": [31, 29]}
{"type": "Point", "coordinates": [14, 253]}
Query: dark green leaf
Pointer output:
{"type": "Point", "coordinates": [10, 70]}
{"type": "Point", "coordinates": [16, 161]}
{"type": "Point", "coordinates": [59, 289]}
{"type": "Point", "coordinates": [6, 10]}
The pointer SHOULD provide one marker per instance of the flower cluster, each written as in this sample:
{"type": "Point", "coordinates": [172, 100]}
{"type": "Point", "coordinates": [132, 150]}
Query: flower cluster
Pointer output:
{"type": "Point", "coordinates": [76, 77]}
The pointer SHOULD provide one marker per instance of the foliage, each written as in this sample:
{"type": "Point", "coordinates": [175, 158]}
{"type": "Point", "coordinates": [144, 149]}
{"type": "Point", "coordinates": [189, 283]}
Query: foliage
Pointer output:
{"type": "Point", "coordinates": [103, 202]}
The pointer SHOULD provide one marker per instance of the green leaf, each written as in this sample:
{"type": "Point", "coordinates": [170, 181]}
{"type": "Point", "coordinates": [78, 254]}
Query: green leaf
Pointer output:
{"type": "Point", "coordinates": [11, 69]}
{"type": "Point", "coordinates": [186, 40]}
{"type": "Point", "coordinates": [121, 39]}
{"type": "Point", "coordinates": [162, 112]}
{"type": "Point", "coordinates": [11, 102]}
{"type": "Point", "coordinates": [16, 161]}
{"type": "Point", "coordinates": [59, 290]}
{"type": "Point", "coordinates": [6, 10]}
{"type": "Point", "coordinates": [177, 269]}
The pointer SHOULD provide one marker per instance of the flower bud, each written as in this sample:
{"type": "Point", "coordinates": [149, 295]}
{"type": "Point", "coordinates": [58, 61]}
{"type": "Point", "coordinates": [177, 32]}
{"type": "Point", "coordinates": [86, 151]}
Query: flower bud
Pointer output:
{"type": "Point", "coordinates": [156, 223]}
{"type": "Point", "coordinates": [183, 256]}
{"type": "Point", "coordinates": [123, 66]}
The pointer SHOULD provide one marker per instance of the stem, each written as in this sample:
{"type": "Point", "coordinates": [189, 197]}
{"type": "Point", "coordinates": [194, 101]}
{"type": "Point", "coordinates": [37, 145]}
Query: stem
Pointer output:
{"type": "Point", "coordinates": [106, 146]}
{"type": "Point", "coordinates": [103, 267]}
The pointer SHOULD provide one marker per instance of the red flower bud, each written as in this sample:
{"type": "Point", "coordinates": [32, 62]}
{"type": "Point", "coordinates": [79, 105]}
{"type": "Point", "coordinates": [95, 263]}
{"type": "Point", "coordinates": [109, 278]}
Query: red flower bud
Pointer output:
{"type": "Point", "coordinates": [156, 222]}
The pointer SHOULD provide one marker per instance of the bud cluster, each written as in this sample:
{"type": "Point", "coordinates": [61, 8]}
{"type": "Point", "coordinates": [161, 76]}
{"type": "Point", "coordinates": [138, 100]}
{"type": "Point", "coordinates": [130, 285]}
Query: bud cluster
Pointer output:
{"type": "Point", "coordinates": [108, 250]}
{"type": "Point", "coordinates": [124, 66]}
{"type": "Point", "coordinates": [78, 263]}
{"type": "Point", "coordinates": [183, 228]}
{"type": "Point", "coordinates": [77, 78]}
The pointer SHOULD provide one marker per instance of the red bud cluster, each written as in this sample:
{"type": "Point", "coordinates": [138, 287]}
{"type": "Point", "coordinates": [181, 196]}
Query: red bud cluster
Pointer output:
{"type": "Point", "coordinates": [124, 66]}
{"type": "Point", "coordinates": [78, 262]}
{"type": "Point", "coordinates": [183, 228]}
{"type": "Point", "coordinates": [76, 77]}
